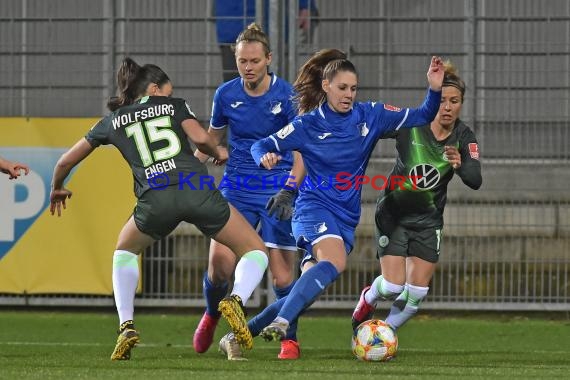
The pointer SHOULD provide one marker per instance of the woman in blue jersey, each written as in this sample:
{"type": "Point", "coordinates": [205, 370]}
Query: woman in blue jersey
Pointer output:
{"type": "Point", "coordinates": [334, 135]}
{"type": "Point", "coordinates": [409, 221]}
{"type": "Point", "coordinates": [253, 106]}
{"type": "Point", "coordinates": [151, 129]}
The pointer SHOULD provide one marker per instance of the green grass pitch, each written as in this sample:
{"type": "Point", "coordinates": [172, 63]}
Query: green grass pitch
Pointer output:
{"type": "Point", "coordinates": [77, 345]}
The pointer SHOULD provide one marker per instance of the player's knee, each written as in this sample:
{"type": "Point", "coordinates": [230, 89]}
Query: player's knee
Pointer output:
{"type": "Point", "coordinates": [282, 274]}
{"type": "Point", "coordinates": [219, 275]}
{"type": "Point", "coordinates": [282, 281]}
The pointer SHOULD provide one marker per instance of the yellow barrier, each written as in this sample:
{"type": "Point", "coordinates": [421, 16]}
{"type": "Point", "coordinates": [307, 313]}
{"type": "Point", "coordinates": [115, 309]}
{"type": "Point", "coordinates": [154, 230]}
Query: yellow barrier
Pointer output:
{"type": "Point", "coordinates": [40, 253]}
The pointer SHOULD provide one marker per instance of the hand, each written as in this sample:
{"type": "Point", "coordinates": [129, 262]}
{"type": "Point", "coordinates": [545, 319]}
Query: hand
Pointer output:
{"type": "Point", "coordinates": [304, 21]}
{"type": "Point", "coordinates": [453, 156]}
{"type": "Point", "coordinates": [57, 199]}
{"type": "Point", "coordinates": [281, 204]}
{"type": "Point", "coordinates": [435, 73]}
{"type": "Point", "coordinates": [14, 169]}
{"type": "Point", "coordinates": [222, 155]}
{"type": "Point", "coordinates": [202, 157]}
{"type": "Point", "coordinates": [269, 160]}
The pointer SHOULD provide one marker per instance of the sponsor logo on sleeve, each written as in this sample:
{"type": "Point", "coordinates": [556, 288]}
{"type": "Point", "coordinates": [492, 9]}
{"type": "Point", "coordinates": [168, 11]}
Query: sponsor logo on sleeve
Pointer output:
{"type": "Point", "coordinates": [473, 150]}
{"type": "Point", "coordinates": [285, 131]}
{"type": "Point", "coordinates": [390, 107]}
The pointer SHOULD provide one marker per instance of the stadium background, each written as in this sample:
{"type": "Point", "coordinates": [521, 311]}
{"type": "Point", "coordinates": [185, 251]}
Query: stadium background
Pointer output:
{"type": "Point", "coordinates": [505, 247]}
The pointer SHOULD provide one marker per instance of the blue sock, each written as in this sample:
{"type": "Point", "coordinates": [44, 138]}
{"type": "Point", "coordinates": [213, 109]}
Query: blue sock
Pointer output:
{"type": "Point", "coordinates": [283, 292]}
{"type": "Point", "coordinates": [307, 288]}
{"type": "Point", "coordinates": [292, 330]}
{"type": "Point", "coordinates": [267, 315]}
{"type": "Point", "coordinates": [213, 295]}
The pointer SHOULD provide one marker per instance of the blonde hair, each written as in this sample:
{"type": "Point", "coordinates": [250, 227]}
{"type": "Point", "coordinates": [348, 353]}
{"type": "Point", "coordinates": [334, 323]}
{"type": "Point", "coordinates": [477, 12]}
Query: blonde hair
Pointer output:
{"type": "Point", "coordinates": [253, 33]}
{"type": "Point", "coordinates": [452, 78]}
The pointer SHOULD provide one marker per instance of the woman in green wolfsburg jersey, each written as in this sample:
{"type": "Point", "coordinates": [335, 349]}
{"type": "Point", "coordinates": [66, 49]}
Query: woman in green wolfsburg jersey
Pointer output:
{"type": "Point", "coordinates": [409, 219]}
{"type": "Point", "coordinates": [150, 129]}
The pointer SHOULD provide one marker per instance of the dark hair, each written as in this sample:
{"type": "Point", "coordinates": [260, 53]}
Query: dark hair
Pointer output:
{"type": "Point", "coordinates": [324, 64]}
{"type": "Point", "coordinates": [133, 80]}
{"type": "Point", "coordinates": [253, 33]}
{"type": "Point", "coordinates": [451, 78]}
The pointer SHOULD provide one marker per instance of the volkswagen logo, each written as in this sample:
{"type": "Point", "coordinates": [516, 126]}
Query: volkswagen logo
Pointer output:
{"type": "Point", "coordinates": [427, 176]}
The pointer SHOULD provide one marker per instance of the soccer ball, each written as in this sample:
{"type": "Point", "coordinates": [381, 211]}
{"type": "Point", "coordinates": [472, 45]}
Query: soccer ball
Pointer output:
{"type": "Point", "coordinates": [374, 340]}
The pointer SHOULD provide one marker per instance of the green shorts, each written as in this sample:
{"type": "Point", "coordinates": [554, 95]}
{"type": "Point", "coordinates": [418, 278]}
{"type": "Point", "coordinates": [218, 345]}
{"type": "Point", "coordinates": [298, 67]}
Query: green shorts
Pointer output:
{"type": "Point", "coordinates": [395, 239]}
{"type": "Point", "coordinates": [425, 244]}
{"type": "Point", "coordinates": [158, 212]}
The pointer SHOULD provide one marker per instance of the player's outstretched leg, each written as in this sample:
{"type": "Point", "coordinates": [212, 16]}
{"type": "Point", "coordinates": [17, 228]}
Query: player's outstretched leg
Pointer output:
{"type": "Point", "coordinates": [127, 339]}
{"type": "Point", "coordinates": [276, 330]}
{"type": "Point", "coordinates": [232, 310]}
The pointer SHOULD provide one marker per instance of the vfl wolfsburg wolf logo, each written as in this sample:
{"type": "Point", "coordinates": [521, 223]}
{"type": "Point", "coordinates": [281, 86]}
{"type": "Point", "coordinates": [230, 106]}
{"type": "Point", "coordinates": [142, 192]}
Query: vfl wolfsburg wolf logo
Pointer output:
{"type": "Point", "coordinates": [426, 175]}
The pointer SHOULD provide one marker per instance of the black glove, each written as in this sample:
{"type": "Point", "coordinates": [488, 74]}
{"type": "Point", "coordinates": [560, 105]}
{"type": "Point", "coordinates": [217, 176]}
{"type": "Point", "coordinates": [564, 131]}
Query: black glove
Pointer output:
{"type": "Point", "coordinates": [281, 204]}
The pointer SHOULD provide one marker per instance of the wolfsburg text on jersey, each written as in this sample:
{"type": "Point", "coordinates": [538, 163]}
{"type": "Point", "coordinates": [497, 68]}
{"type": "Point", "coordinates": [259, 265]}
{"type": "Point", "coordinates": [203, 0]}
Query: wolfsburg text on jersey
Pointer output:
{"type": "Point", "coordinates": [145, 113]}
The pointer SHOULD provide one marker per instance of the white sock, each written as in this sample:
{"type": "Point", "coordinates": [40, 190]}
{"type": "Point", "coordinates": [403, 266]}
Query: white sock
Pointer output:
{"type": "Point", "coordinates": [249, 273]}
{"type": "Point", "coordinates": [282, 321]}
{"type": "Point", "coordinates": [125, 282]}
{"type": "Point", "coordinates": [406, 305]}
{"type": "Point", "coordinates": [382, 289]}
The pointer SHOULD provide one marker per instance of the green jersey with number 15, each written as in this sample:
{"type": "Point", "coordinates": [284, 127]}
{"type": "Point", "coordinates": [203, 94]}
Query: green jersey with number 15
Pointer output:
{"type": "Point", "coordinates": [150, 137]}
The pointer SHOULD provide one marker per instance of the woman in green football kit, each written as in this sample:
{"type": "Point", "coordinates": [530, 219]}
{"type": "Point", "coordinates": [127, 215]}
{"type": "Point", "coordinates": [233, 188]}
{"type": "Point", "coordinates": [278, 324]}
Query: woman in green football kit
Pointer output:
{"type": "Point", "coordinates": [150, 129]}
{"type": "Point", "coordinates": [409, 220]}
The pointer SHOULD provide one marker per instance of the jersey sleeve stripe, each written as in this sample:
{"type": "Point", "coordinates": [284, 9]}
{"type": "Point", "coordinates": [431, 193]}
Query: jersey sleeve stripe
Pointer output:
{"type": "Point", "coordinates": [222, 127]}
{"type": "Point", "coordinates": [404, 119]}
{"type": "Point", "coordinates": [275, 142]}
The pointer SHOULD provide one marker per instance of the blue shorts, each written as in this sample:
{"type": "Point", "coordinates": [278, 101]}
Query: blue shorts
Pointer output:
{"type": "Point", "coordinates": [274, 232]}
{"type": "Point", "coordinates": [315, 224]}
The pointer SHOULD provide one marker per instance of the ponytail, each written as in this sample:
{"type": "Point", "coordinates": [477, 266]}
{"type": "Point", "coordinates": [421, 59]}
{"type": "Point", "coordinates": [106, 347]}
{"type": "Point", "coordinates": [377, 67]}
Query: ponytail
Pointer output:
{"type": "Point", "coordinates": [125, 76]}
{"type": "Point", "coordinates": [253, 33]}
{"type": "Point", "coordinates": [324, 64]}
{"type": "Point", "coordinates": [132, 82]}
